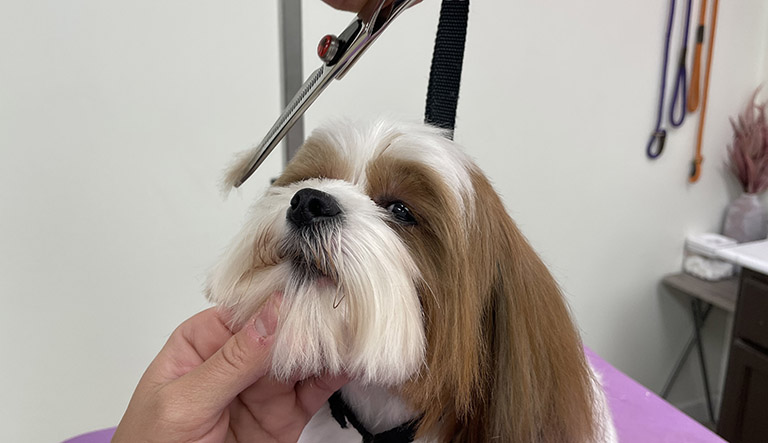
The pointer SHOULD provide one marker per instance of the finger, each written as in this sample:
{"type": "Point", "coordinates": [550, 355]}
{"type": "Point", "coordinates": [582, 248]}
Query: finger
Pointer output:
{"type": "Point", "coordinates": [354, 5]}
{"type": "Point", "coordinates": [314, 392]}
{"type": "Point", "coordinates": [346, 5]}
{"type": "Point", "coordinates": [239, 363]}
{"type": "Point", "coordinates": [283, 405]}
{"type": "Point", "coordinates": [193, 342]}
{"type": "Point", "coordinates": [207, 331]}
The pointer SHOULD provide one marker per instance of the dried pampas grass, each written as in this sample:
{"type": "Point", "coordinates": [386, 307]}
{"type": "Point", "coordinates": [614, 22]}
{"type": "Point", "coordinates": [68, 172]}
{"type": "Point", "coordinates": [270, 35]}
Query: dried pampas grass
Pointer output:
{"type": "Point", "coordinates": [748, 153]}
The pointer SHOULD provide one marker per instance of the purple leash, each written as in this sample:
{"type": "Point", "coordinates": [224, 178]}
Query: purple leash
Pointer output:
{"type": "Point", "coordinates": [681, 84]}
{"type": "Point", "coordinates": [659, 134]}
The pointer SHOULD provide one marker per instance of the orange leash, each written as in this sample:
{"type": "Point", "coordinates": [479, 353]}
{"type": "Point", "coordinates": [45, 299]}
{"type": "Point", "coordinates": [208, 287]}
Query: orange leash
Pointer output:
{"type": "Point", "coordinates": [696, 170]}
{"type": "Point", "coordinates": [693, 91]}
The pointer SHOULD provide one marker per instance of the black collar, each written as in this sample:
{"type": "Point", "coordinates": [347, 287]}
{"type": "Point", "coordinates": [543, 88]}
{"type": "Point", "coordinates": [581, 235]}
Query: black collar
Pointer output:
{"type": "Point", "coordinates": [341, 411]}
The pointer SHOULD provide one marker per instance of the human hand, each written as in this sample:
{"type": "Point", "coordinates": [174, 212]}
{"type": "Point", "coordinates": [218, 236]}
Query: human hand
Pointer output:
{"type": "Point", "coordinates": [209, 384]}
{"type": "Point", "coordinates": [347, 5]}
{"type": "Point", "coordinates": [352, 5]}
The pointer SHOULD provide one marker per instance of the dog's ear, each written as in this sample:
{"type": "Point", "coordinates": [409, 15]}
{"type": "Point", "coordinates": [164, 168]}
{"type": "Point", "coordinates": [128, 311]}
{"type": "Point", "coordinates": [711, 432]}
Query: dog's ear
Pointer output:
{"type": "Point", "coordinates": [538, 383]}
{"type": "Point", "coordinates": [505, 361]}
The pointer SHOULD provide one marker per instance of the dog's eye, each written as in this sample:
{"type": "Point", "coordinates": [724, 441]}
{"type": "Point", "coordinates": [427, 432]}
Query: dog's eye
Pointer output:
{"type": "Point", "coordinates": [401, 213]}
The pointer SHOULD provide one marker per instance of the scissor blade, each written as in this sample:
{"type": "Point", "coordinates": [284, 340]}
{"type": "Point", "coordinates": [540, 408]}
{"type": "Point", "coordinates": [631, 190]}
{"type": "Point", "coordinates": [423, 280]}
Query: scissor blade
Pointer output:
{"type": "Point", "coordinates": [305, 96]}
{"type": "Point", "coordinates": [369, 24]}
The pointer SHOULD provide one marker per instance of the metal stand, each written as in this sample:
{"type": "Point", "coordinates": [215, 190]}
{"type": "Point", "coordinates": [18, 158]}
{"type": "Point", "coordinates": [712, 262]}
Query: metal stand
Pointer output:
{"type": "Point", "coordinates": [704, 296]}
{"type": "Point", "coordinates": [700, 311]}
{"type": "Point", "coordinates": [292, 70]}
{"type": "Point", "coordinates": [696, 310]}
{"type": "Point", "coordinates": [684, 356]}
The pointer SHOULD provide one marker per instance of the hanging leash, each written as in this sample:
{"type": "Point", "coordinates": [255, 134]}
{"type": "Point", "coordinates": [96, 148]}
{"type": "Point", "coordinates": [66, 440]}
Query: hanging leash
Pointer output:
{"type": "Point", "coordinates": [447, 61]}
{"type": "Point", "coordinates": [681, 78]}
{"type": "Point", "coordinates": [698, 158]}
{"type": "Point", "coordinates": [659, 135]}
{"type": "Point", "coordinates": [693, 91]}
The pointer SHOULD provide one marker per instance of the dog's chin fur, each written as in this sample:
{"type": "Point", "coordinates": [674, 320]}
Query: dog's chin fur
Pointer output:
{"type": "Point", "coordinates": [449, 317]}
{"type": "Point", "coordinates": [341, 288]}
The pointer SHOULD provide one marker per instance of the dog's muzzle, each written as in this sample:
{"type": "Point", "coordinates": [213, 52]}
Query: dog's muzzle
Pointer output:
{"type": "Point", "coordinates": [315, 217]}
{"type": "Point", "coordinates": [310, 207]}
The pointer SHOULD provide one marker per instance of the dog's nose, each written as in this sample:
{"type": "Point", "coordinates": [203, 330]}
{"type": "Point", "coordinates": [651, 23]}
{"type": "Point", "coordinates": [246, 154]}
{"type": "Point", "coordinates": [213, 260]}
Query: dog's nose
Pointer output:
{"type": "Point", "coordinates": [311, 206]}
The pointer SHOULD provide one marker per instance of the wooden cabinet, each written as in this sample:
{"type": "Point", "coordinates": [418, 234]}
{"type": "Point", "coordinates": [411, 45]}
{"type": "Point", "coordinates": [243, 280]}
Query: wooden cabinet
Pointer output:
{"type": "Point", "coordinates": [744, 410]}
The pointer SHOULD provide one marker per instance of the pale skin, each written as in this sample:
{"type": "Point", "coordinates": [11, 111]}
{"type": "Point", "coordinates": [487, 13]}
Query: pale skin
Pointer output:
{"type": "Point", "coordinates": [347, 5]}
{"type": "Point", "coordinates": [352, 5]}
{"type": "Point", "coordinates": [210, 384]}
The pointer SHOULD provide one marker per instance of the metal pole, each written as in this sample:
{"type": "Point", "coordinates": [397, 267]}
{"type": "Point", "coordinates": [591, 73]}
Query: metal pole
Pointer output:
{"type": "Point", "coordinates": [291, 66]}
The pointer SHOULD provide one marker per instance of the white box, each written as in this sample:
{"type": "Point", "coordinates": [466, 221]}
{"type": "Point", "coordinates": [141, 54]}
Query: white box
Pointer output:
{"type": "Point", "coordinates": [700, 256]}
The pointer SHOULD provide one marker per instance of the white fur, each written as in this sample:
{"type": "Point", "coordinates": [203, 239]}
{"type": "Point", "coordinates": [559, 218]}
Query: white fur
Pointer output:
{"type": "Point", "coordinates": [369, 325]}
{"type": "Point", "coordinates": [323, 428]}
{"type": "Point", "coordinates": [606, 431]}
{"type": "Point", "coordinates": [377, 407]}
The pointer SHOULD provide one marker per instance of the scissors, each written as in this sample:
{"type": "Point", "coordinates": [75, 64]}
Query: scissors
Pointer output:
{"type": "Point", "coordinates": [338, 54]}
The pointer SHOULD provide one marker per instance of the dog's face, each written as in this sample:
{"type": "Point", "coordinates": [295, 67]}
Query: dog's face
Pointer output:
{"type": "Point", "coordinates": [342, 236]}
{"type": "Point", "coordinates": [397, 264]}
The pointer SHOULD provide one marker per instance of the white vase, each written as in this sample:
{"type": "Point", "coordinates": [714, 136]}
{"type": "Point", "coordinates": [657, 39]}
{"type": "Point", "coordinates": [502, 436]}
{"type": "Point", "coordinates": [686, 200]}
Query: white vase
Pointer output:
{"type": "Point", "coordinates": [746, 219]}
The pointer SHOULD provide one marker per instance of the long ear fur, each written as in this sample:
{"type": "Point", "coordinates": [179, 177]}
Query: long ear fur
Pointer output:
{"type": "Point", "coordinates": [506, 362]}
{"type": "Point", "coordinates": [539, 385]}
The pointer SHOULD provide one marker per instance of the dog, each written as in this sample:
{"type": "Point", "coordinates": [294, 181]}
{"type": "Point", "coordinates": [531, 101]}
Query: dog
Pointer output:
{"type": "Point", "coordinates": [399, 266]}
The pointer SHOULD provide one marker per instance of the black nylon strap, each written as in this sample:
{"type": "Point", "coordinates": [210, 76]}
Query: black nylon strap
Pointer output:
{"type": "Point", "coordinates": [343, 414]}
{"type": "Point", "coordinates": [447, 60]}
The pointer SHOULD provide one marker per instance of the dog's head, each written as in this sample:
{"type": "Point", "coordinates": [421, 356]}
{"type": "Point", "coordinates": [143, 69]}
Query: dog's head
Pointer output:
{"type": "Point", "coordinates": [397, 264]}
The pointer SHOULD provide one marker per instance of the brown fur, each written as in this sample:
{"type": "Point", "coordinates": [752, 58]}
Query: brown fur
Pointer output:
{"type": "Point", "coordinates": [316, 159]}
{"type": "Point", "coordinates": [504, 360]}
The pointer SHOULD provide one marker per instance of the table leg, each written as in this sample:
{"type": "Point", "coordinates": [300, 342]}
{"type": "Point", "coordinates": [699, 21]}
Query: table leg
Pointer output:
{"type": "Point", "coordinates": [684, 356]}
{"type": "Point", "coordinates": [698, 324]}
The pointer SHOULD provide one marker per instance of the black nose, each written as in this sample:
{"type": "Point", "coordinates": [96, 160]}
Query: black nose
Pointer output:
{"type": "Point", "coordinates": [311, 206]}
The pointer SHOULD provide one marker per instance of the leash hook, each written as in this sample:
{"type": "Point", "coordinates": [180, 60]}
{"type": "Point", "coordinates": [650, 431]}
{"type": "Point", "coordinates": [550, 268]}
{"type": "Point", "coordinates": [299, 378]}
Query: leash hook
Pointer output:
{"type": "Point", "coordinates": [658, 138]}
{"type": "Point", "coordinates": [695, 169]}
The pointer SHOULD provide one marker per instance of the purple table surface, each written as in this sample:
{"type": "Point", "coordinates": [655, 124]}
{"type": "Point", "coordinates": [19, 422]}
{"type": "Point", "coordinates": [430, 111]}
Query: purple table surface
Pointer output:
{"type": "Point", "coordinates": [640, 415]}
{"type": "Point", "coordinates": [102, 436]}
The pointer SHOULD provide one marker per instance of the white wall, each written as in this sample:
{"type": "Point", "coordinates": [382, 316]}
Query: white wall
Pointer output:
{"type": "Point", "coordinates": [117, 118]}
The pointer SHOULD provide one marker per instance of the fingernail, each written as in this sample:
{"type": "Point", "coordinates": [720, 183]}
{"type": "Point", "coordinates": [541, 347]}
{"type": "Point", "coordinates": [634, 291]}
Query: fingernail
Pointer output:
{"type": "Point", "coordinates": [265, 322]}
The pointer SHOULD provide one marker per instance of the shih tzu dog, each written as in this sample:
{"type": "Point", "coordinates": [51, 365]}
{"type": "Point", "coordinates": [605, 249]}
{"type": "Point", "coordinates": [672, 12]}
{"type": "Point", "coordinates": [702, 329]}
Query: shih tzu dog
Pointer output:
{"type": "Point", "coordinates": [399, 266]}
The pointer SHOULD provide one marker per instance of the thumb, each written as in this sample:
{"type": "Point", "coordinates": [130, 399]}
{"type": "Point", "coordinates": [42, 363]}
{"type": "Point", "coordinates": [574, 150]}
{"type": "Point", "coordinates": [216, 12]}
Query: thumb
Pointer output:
{"type": "Point", "coordinates": [242, 360]}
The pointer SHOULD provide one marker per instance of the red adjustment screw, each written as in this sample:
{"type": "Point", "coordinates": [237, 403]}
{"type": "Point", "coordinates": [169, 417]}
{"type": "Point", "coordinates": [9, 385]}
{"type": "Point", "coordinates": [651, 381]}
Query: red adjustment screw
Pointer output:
{"type": "Point", "coordinates": [327, 48]}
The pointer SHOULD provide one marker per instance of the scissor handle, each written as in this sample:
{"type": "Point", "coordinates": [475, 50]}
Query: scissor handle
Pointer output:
{"type": "Point", "coordinates": [373, 19]}
{"type": "Point", "coordinates": [338, 54]}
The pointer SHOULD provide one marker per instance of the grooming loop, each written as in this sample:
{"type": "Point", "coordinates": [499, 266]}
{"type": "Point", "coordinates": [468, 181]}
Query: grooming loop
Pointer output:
{"type": "Point", "coordinates": [698, 158]}
{"type": "Point", "coordinates": [681, 79]}
{"type": "Point", "coordinates": [655, 145]}
{"type": "Point", "coordinates": [693, 91]}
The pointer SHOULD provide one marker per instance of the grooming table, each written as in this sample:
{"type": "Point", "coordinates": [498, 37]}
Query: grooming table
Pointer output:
{"type": "Point", "coordinates": [640, 415]}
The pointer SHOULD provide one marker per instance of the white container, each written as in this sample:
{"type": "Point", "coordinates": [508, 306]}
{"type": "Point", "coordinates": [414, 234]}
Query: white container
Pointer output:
{"type": "Point", "coordinates": [700, 256]}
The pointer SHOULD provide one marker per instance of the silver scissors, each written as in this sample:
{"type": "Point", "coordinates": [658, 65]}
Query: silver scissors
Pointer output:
{"type": "Point", "coordinates": [338, 54]}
